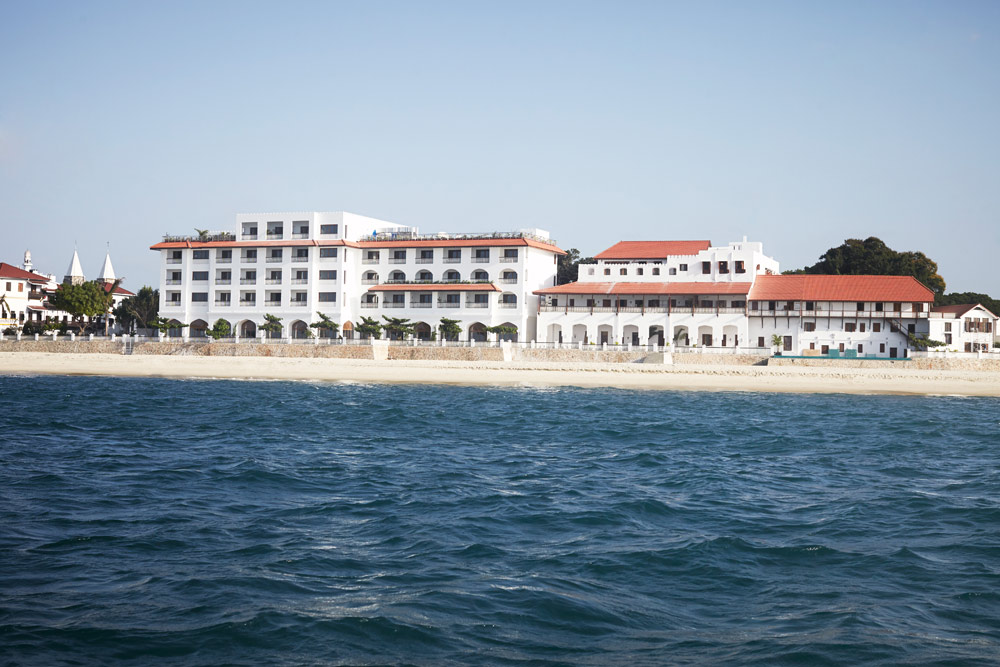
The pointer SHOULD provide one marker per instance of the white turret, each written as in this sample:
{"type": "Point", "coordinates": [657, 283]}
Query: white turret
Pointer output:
{"type": "Point", "coordinates": [74, 274]}
{"type": "Point", "coordinates": [27, 261]}
{"type": "Point", "coordinates": [107, 271]}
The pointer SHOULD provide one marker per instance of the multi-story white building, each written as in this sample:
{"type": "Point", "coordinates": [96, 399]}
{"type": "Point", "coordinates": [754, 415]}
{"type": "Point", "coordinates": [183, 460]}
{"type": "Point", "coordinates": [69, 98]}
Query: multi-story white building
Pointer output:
{"type": "Point", "coordinates": [691, 294]}
{"type": "Point", "coordinates": [963, 328]}
{"type": "Point", "coordinates": [346, 266]}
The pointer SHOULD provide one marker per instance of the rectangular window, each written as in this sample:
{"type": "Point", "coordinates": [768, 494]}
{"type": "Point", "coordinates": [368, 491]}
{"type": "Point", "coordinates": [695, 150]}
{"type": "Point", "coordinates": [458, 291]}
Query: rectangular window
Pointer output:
{"type": "Point", "coordinates": [327, 252]}
{"type": "Point", "coordinates": [327, 275]}
{"type": "Point", "coordinates": [510, 253]}
{"type": "Point", "coordinates": [200, 254]}
{"type": "Point", "coordinates": [809, 326]}
{"type": "Point", "coordinates": [876, 327]}
{"type": "Point", "coordinates": [740, 266]}
{"type": "Point", "coordinates": [426, 254]}
{"type": "Point", "coordinates": [706, 267]}
{"type": "Point", "coordinates": [881, 347]}
{"type": "Point", "coordinates": [861, 348]}
{"type": "Point", "coordinates": [326, 297]}
{"type": "Point", "coordinates": [723, 267]}
{"type": "Point", "coordinates": [760, 341]}
{"type": "Point", "coordinates": [849, 326]}
{"type": "Point", "coordinates": [947, 339]}
{"type": "Point", "coordinates": [861, 327]}
{"type": "Point", "coordinates": [947, 325]}
{"type": "Point", "coordinates": [878, 307]}
{"type": "Point", "coordinates": [623, 272]}
{"type": "Point", "coordinates": [673, 272]}
{"type": "Point", "coordinates": [607, 272]}
{"type": "Point", "coordinates": [454, 254]}
{"type": "Point", "coordinates": [482, 253]}
{"type": "Point", "coordinates": [861, 305]}
{"type": "Point", "coordinates": [810, 305]}
{"type": "Point", "coordinates": [302, 252]}
{"type": "Point", "coordinates": [918, 307]}
{"type": "Point", "coordinates": [199, 296]}
{"type": "Point", "coordinates": [199, 275]}
{"type": "Point", "coordinates": [328, 229]}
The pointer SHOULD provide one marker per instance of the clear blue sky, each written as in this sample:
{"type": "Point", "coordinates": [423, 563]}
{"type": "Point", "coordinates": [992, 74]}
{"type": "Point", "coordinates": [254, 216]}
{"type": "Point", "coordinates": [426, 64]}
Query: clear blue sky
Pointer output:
{"type": "Point", "coordinates": [798, 124]}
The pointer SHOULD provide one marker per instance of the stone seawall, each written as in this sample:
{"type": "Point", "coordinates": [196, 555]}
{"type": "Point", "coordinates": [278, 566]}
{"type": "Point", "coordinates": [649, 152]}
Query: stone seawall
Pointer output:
{"type": "Point", "coordinates": [720, 359]}
{"type": "Point", "coordinates": [63, 346]}
{"type": "Point", "coordinates": [923, 364]}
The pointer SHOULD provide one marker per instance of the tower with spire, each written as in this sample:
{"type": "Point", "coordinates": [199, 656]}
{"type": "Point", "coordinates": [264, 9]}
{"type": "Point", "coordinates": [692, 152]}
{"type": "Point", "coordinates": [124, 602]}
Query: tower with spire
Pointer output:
{"type": "Point", "coordinates": [27, 261]}
{"type": "Point", "coordinates": [107, 271]}
{"type": "Point", "coordinates": [74, 275]}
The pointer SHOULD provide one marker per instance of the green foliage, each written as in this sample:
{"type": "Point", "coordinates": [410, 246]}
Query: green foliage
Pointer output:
{"type": "Point", "coordinates": [369, 328]}
{"type": "Point", "coordinates": [10, 331]}
{"type": "Point", "coordinates": [503, 331]}
{"type": "Point", "coordinates": [450, 329]}
{"type": "Point", "coordinates": [31, 328]}
{"type": "Point", "coordinates": [272, 325]}
{"type": "Point", "coordinates": [922, 342]}
{"type": "Point", "coordinates": [87, 300]}
{"type": "Point", "coordinates": [777, 341]}
{"type": "Point", "coordinates": [220, 329]}
{"type": "Point", "coordinates": [163, 325]}
{"type": "Point", "coordinates": [873, 257]}
{"type": "Point", "coordinates": [137, 311]}
{"type": "Point", "coordinates": [568, 266]}
{"type": "Point", "coordinates": [960, 298]}
{"type": "Point", "coordinates": [325, 324]}
{"type": "Point", "coordinates": [397, 327]}
{"type": "Point", "coordinates": [202, 234]}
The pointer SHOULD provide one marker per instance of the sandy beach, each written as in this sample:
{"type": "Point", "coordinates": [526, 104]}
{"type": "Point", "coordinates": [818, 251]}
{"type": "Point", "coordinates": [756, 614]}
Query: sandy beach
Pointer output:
{"type": "Point", "coordinates": [686, 377]}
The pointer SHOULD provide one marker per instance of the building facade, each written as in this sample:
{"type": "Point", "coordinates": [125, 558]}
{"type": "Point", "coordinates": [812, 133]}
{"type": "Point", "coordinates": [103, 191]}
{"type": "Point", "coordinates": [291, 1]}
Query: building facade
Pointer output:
{"type": "Point", "coordinates": [297, 265]}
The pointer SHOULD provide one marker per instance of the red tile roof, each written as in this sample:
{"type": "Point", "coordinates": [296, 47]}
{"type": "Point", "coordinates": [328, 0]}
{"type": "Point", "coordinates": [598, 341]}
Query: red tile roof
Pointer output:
{"type": "Point", "coordinates": [647, 288]}
{"type": "Point", "coordinates": [839, 288]}
{"type": "Point", "coordinates": [436, 287]}
{"type": "Point", "coordinates": [10, 271]}
{"type": "Point", "coordinates": [652, 249]}
{"type": "Point", "coordinates": [118, 290]}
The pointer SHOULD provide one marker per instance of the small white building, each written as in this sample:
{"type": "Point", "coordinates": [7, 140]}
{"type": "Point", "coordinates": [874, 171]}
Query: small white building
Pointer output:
{"type": "Point", "coordinates": [963, 328]}
{"type": "Point", "coordinates": [346, 266]}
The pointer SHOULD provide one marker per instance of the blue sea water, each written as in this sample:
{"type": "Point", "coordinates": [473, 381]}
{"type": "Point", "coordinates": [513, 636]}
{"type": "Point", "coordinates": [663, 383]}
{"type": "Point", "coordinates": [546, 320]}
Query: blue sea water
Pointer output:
{"type": "Point", "coordinates": [220, 522]}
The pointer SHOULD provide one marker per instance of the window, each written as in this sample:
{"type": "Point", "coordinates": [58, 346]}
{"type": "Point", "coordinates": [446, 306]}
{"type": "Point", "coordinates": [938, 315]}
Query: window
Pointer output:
{"type": "Point", "coordinates": [225, 254]}
{"type": "Point", "coordinates": [607, 272]}
{"type": "Point", "coordinates": [623, 272]}
{"type": "Point", "coordinates": [200, 254]}
{"type": "Point", "coordinates": [302, 253]}
{"type": "Point", "coordinates": [810, 305]}
{"type": "Point", "coordinates": [327, 297]}
{"type": "Point", "coordinates": [918, 307]}
{"type": "Point", "coordinates": [327, 252]}
{"type": "Point", "coordinates": [740, 266]}
{"type": "Point", "coordinates": [760, 341]}
{"type": "Point", "coordinates": [199, 296]}
{"type": "Point", "coordinates": [849, 326]}
{"type": "Point", "coordinates": [250, 254]}
{"type": "Point", "coordinates": [706, 267]}
{"type": "Point", "coordinates": [328, 229]}
{"type": "Point", "coordinates": [878, 307]}
{"type": "Point", "coordinates": [327, 275]}
{"type": "Point", "coordinates": [947, 339]}
{"type": "Point", "coordinates": [454, 254]}
{"type": "Point", "coordinates": [8, 287]}
{"type": "Point", "coordinates": [809, 326]}
{"type": "Point", "coordinates": [876, 327]}
{"type": "Point", "coordinates": [682, 267]}
{"type": "Point", "coordinates": [510, 253]}
{"type": "Point", "coordinates": [911, 328]}
{"type": "Point", "coordinates": [947, 325]}
{"type": "Point", "coordinates": [482, 253]}
{"type": "Point", "coordinates": [672, 271]}
{"type": "Point", "coordinates": [723, 267]}
{"type": "Point", "coordinates": [426, 254]}
{"type": "Point", "coordinates": [881, 347]}
{"type": "Point", "coordinates": [861, 348]}
{"type": "Point", "coordinates": [861, 305]}
{"type": "Point", "coordinates": [480, 275]}
{"type": "Point", "coordinates": [607, 303]}
{"type": "Point", "coordinates": [199, 275]}
{"type": "Point", "coordinates": [638, 271]}
{"type": "Point", "coordinates": [897, 307]}
{"type": "Point", "coordinates": [656, 270]}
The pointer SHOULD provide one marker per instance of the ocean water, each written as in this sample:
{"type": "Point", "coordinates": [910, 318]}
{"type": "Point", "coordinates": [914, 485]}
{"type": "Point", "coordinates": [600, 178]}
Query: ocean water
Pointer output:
{"type": "Point", "coordinates": [220, 522]}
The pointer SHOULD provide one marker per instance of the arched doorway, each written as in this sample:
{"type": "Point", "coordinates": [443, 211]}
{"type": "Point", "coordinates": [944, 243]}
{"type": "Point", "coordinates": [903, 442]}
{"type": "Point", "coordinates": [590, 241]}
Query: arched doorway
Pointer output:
{"type": "Point", "coordinates": [509, 336]}
{"type": "Point", "coordinates": [730, 336]}
{"type": "Point", "coordinates": [422, 330]}
{"type": "Point", "coordinates": [555, 333]}
{"type": "Point", "coordinates": [299, 329]}
{"type": "Point", "coordinates": [477, 331]}
{"type": "Point", "coordinates": [630, 334]}
{"type": "Point", "coordinates": [175, 330]}
{"type": "Point", "coordinates": [705, 336]}
{"type": "Point", "coordinates": [248, 329]}
{"type": "Point", "coordinates": [681, 338]}
{"type": "Point", "coordinates": [605, 333]}
{"type": "Point", "coordinates": [656, 334]}
{"type": "Point", "coordinates": [347, 329]}
{"type": "Point", "coordinates": [580, 333]}
{"type": "Point", "coordinates": [198, 328]}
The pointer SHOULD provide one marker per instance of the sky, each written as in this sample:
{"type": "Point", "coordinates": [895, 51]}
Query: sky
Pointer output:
{"type": "Point", "coordinates": [797, 124]}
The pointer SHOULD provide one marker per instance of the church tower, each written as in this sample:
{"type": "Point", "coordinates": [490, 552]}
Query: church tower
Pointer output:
{"type": "Point", "coordinates": [74, 275]}
{"type": "Point", "coordinates": [27, 261]}
{"type": "Point", "coordinates": [107, 271]}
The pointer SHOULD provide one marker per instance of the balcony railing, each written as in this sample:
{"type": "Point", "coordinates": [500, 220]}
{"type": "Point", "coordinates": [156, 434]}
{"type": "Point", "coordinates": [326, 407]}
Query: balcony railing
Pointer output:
{"type": "Point", "coordinates": [369, 304]}
{"type": "Point", "coordinates": [508, 281]}
{"type": "Point", "coordinates": [451, 260]}
{"type": "Point", "coordinates": [508, 304]}
{"type": "Point", "coordinates": [420, 304]}
{"type": "Point", "coordinates": [397, 260]}
{"type": "Point", "coordinates": [273, 260]}
{"type": "Point", "coordinates": [174, 260]}
{"type": "Point", "coordinates": [223, 260]}
{"type": "Point", "coordinates": [369, 281]}
{"type": "Point", "coordinates": [248, 302]}
{"type": "Point", "coordinates": [424, 260]}
{"type": "Point", "coordinates": [300, 281]}
{"type": "Point", "coordinates": [248, 260]}
{"type": "Point", "coordinates": [171, 281]}
{"type": "Point", "coordinates": [273, 281]}
{"type": "Point", "coordinates": [223, 304]}
{"type": "Point", "coordinates": [300, 235]}
{"type": "Point", "coordinates": [300, 260]}
{"type": "Point", "coordinates": [248, 281]}
{"type": "Point", "coordinates": [370, 260]}
{"type": "Point", "coordinates": [201, 238]}
{"type": "Point", "coordinates": [393, 304]}
{"type": "Point", "coordinates": [249, 237]}
{"type": "Point", "coordinates": [298, 303]}
{"type": "Point", "coordinates": [449, 304]}
{"type": "Point", "coordinates": [477, 304]}
{"type": "Point", "coordinates": [275, 235]}
{"type": "Point", "coordinates": [273, 302]}
{"type": "Point", "coordinates": [508, 260]}
{"type": "Point", "coordinates": [480, 260]}
{"type": "Point", "coordinates": [223, 281]}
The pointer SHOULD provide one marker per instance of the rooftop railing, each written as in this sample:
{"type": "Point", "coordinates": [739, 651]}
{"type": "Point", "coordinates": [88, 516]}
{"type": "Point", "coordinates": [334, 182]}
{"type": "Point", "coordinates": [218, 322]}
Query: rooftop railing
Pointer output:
{"type": "Point", "coordinates": [471, 236]}
{"type": "Point", "coordinates": [200, 238]}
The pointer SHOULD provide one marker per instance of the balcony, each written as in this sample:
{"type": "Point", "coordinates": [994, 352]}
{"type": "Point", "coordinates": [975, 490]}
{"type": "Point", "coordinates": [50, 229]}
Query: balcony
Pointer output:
{"type": "Point", "coordinates": [508, 260]}
{"type": "Point", "coordinates": [298, 303]}
{"type": "Point", "coordinates": [173, 304]}
{"type": "Point", "coordinates": [300, 235]}
{"type": "Point", "coordinates": [369, 281]}
{"type": "Point", "coordinates": [223, 281]}
{"type": "Point", "coordinates": [171, 281]}
{"type": "Point", "coordinates": [300, 259]}
{"type": "Point", "coordinates": [223, 260]}
{"type": "Point", "coordinates": [480, 260]}
{"type": "Point", "coordinates": [275, 236]}
{"type": "Point", "coordinates": [477, 304]}
{"type": "Point", "coordinates": [370, 260]}
{"type": "Point", "coordinates": [508, 304]}
{"type": "Point", "coordinates": [449, 304]}
{"type": "Point", "coordinates": [248, 281]}
{"type": "Point", "coordinates": [248, 260]}
{"type": "Point", "coordinates": [300, 281]}
{"type": "Point", "coordinates": [508, 281]}
{"type": "Point", "coordinates": [397, 260]}
{"type": "Point", "coordinates": [273, 303]}
{"type": "Point", "coordinates": [248, 302]}
{"type": "Point", "coordinates": [250, 237]}
{"type": "Point", "coordinates": [273, 281]}
{"type": "Point", "coordinates": [451, 260]}
{"type": "Point", "coordinates": [424, 260]}
{"type": "Point", "coordinates": [393, 304]}
{"type": "Point", "coordinates": [223, 304]}
{"type": "Point", "coordinates": [174, 260]}
{"type": "Point", "coordinates": [274, 260]}
{"type": "Point", "coordinates": [420, 304]}
{"type": "Point", "coordinates": [369, 304]}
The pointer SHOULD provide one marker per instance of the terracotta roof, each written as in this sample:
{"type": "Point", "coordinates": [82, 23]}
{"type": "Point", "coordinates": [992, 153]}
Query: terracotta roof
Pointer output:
{"type": "Point", "coordinates": [960, 309]}
{"type": "Point", "coordinates": [440, 243]}
{"type": "Point", "coordinates": [11, 271]}
{"type": "Point", "coordinates": [118, 290]}
{"type": "Point", "coordinates": [436, 287]}
{"type": "Point", "coordinates": [839, 288]}
{"type": "Point", "coordinates": [647, 288]}
{"type": "Point", "coordinates": [652, 249]}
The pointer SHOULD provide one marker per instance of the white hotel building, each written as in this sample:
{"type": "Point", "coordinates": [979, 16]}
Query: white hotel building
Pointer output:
{"type": "Point", "coordinates": [347, 266]}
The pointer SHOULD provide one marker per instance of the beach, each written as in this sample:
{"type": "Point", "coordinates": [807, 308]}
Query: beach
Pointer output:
{"type": "Point", "coordinates": [686, 377]}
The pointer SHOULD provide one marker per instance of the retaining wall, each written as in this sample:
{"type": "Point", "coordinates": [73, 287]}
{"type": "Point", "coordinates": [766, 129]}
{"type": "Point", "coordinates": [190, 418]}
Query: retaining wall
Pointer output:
{"type": "Point", "coordinates": [923, 364]}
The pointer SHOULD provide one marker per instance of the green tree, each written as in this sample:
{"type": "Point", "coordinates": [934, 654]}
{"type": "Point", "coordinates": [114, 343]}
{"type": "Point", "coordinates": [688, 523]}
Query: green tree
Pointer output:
{"type": "Point", "coordinates": [777, 342]}
{"type": "Point", "coordinates": [202, 234]}
{"type": "Point", "coordinates": [84, 301]}
{"type": "Point", "coordinates": [568, 266]}
{"type": "Point", "coordinates": [960, 298]}
{"type": "Point", "coordinates": [137, 311]}
{"type": "Point", "coordinates": [369, 328]}
{"type": "Point", "coordinates": [504, 331]}
{"type": "Point", "coordinates": [325, 324]}
{"type": "Point", "coordinates": [163, 325]}
{"type": "Point", "coordinates": [873, 257]}
{"type": "Point", "coordinates": [397, 327]}
{"type": "Point", "coordinates": [450, 329]}
{"type": "Point", "coordinates": [220, 329]}
{"type": "Point", "coordinates": [272, 325]}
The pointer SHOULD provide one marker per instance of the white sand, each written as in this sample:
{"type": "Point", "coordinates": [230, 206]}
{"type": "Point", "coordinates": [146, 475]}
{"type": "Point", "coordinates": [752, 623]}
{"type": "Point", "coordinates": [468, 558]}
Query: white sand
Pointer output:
{"type": "Point", "coordinates": [629, 376]}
